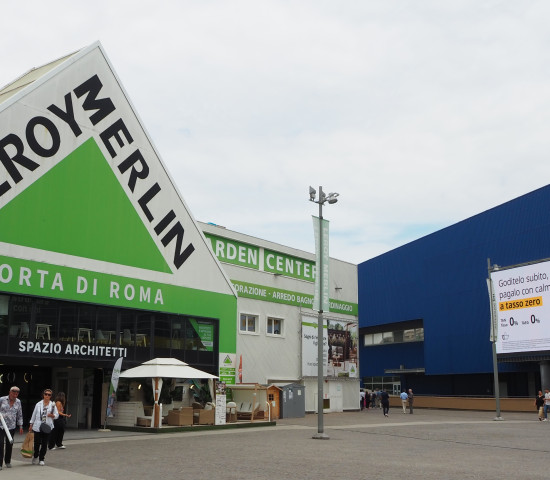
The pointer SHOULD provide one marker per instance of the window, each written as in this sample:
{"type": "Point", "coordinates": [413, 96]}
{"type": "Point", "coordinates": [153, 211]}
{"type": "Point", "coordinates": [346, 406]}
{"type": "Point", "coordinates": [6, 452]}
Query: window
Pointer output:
{"type": "Point", "coordinates": [394, 336]}
{"type": "Point", "coordinates": [391, 384]}
{"type": "Point", "coordinates": [274, 326]}
{"type": "Point", "coordinates": [249, 323]}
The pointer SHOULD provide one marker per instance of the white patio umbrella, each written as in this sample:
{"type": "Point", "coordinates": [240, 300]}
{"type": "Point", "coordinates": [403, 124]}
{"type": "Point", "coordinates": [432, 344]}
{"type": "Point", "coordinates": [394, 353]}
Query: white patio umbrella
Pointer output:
{"type": "Point", "coordinates": [157, 368]}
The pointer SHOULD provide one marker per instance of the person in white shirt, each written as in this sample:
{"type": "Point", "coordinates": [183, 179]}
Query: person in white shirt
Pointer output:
{"type": "Point", "coordinates": [45, 412]}
{"type": "Point", "coordinates": [10, 408]}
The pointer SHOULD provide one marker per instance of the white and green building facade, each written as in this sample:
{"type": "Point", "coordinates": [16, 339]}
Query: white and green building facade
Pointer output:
{"type": "Point", "coordinates": [100, 257]}
{"type": "Point", "coordinates": [277, 326]}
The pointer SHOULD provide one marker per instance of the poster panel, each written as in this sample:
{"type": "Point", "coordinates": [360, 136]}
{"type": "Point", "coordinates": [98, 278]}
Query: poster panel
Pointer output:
{"type": "Point", "coordinates": [309, 347]}
{"type": "Point", "coordinates": [342, 349]}
{"type": "Point", "coordinates": [522, 299]}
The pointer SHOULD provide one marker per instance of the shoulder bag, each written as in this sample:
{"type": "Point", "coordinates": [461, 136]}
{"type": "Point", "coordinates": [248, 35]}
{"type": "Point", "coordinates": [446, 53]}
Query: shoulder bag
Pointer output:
{"type": "Point", "coordinates": [44, 427]}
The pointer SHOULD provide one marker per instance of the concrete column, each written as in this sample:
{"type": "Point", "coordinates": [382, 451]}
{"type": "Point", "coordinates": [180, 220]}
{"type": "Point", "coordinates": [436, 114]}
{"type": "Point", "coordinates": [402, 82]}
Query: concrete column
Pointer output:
{"type": "Point", "coordinates": [545, 374]}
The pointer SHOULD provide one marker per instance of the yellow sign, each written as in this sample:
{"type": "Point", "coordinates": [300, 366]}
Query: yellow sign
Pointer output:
{"type": "Point", "coordinates": [524, 303]}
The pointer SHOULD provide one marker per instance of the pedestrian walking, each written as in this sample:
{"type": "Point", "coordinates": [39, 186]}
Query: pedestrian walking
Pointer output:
{"type": "Point", "coordinates": [404, 397]}
{"type": "Point", "coordinates": [56, 437]}
{"type": "Point", "coordinates": [42, 418]}
{"type": "Point", "coordinates": [546, 404]}
{"type": "Point", "coordinates": [10, 408]}
{"type": "Point", "coordinates": [376, 401]}
{"type": "Point", "coordinates": [539, 404]}
{"type": "Point", "coordinates": [367, 400]}
{"type": "Point", "coordinates": [385, 402]}
{"type": "Point", "coordinates": [411, 400]}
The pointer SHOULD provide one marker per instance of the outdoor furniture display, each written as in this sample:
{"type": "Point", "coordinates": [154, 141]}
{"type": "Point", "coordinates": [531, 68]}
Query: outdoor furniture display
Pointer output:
{"type": "Point", "coordinates": [181, 416]}
{"type": "Point", "coordinates": [248, 397]}
{"type": "Point", "coordinates": [127, 414]}
{"type": "Point", "coordinates": [207, 415]}
{"type": "Point", "coordinates": [156, 369]}
{"type": "Point", "coordinates": [204, 415]}
{"type": "Point", "coordinates": [244, 411]}
{"type": "Point", "coordinates": [148, 410]}
{"type": "Point", "coordinates": [143, 420]}
{"type": "Point", "coordinates": [197, 407]}
{"type": "Point", "coordinates": [231, 412]}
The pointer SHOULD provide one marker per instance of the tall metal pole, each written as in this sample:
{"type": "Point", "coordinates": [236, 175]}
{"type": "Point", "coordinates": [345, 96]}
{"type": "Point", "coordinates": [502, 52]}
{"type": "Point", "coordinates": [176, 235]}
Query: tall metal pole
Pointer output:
{"type": "Point", "coordinates": [494, 334]}
{"type": "Point", "coordinates": [320, 359]}
{"type": "Point", "coordinates": [330, 198]}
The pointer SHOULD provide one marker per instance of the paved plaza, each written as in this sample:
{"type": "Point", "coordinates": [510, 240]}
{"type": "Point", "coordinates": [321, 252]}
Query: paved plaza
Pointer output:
{"type": "Point", "coordinates": [431, 444]}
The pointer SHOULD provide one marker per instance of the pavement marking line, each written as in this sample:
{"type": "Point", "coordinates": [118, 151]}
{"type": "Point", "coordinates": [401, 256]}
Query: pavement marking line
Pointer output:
{"type": "Point", "coordinates": [420, 423]}
{"type": "Point", "coordinates": [148, 436]}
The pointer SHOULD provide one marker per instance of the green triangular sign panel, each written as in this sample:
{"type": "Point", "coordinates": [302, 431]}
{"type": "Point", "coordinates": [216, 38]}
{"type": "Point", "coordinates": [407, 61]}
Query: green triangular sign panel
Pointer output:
{"type": "Point", "coordinates": [79, 208]}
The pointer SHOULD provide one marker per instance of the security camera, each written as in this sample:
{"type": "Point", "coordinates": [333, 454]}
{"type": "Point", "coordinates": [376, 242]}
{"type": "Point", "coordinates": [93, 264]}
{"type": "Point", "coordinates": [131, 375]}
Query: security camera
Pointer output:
{"type": "Point", "coordinates": [312, 193]}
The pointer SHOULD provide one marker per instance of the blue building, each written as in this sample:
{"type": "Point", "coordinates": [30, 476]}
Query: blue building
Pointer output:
{"type": "Point", "coordinates": [424, 315]}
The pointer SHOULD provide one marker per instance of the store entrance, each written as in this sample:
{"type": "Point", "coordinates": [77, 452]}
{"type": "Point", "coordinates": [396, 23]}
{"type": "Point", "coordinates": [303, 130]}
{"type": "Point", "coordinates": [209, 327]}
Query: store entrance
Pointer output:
{"type": "Point", "coordinates": [31, 380]}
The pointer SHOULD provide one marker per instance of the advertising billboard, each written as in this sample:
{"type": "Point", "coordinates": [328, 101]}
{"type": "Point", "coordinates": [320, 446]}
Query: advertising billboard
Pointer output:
{"type": "Point", "coordinates": [522, 303]}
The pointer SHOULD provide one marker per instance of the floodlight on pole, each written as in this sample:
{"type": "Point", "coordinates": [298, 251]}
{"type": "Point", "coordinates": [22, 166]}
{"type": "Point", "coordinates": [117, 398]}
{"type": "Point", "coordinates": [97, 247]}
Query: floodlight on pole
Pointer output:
{"type": "Point", "coordinates": [331, 198]}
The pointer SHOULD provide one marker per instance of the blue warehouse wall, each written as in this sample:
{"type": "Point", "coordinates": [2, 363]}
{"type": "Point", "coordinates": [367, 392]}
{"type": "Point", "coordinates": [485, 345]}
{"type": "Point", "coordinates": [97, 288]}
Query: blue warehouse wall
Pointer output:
{"type": "Point", "coordinates": [441, 279]}
{"type": "Point", "coordinates": [375, 359]}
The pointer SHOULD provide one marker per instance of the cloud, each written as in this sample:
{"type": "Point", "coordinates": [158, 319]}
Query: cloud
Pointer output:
{"type": "Point", "coordinates": [419, 114]}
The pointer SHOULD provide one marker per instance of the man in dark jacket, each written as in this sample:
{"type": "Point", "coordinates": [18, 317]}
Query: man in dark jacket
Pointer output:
{"type": "Point", "coordinates": [385, 401]}
{"type": "Point", "coordinates": [411, 400]}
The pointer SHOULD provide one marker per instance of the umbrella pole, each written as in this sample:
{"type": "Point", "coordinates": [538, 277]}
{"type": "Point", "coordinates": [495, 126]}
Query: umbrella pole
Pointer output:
{"type": "Point", "coordinates": [156, 408]}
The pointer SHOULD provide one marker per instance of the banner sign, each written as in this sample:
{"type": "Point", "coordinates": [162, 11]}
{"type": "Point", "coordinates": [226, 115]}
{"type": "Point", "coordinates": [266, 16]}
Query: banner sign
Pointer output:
{"type": "Point", "coordinates": [320, 229]}
{"type": "Point", "coordinates": [342, 349]}
{"type": "Point", "coordinates": [235, 252]}
{"type": "Point", "coordinates": [522, 297]}
{"type": "Point", "coordinates": [205, 331]}
{"type": "Point", "coordinates": [250, 256]}
{"type": "Point", "coordinates": [310, 337]}
{"type": "Point", "coordinates": [493, 334]}
{"type": "Point", "coordinates": [111, 398]}
{"type": "Point", "coordinates": [289, 266]}
{"type": "Point", "coordinates": [228, 368]}
{"type": "Point", "coordinates": [28, 277]}
{"type": "Point", "coordinates": [288, 297]}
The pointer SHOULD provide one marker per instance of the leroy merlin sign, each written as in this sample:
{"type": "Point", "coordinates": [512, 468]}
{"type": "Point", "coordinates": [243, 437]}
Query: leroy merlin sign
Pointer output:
{"type": "Point", "coordinates": [21, 155]}
{"type": "Point", "coordinates": [82, 185]}
{"type": "Point", "coordinates": [88, 211]}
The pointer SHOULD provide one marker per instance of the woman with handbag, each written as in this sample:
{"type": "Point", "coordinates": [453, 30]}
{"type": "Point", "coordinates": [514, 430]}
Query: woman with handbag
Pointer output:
{"type": "Point", "coordinates": [56, 438]}
{"type": "Point", "coordinates": [41, 424]}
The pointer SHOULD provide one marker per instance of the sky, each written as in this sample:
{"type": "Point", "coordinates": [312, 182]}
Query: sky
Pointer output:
{"type": "Point", "coordinates": [418, 113]}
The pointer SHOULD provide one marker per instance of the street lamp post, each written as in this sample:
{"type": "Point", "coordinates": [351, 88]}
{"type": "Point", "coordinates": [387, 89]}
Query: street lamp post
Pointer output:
{"type": "Point", "coordinates": [494, 333]}
{"type": "Point", "coordinates": [323, 198]}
